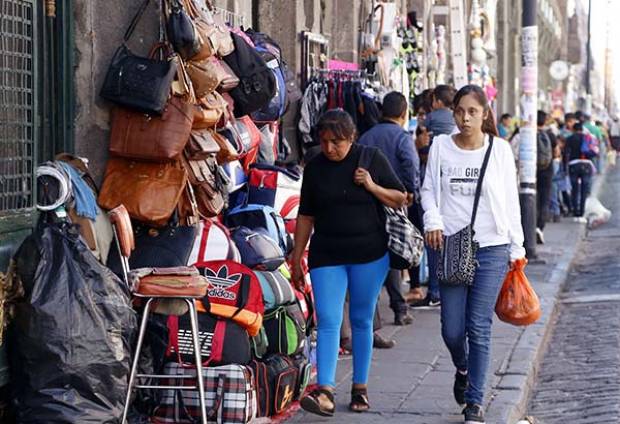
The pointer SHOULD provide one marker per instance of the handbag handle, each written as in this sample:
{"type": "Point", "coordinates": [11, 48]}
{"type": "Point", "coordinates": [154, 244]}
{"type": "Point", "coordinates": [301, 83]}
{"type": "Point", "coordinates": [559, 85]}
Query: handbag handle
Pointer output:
{"type": "Point", "coordinates": [135, 20]}
{"type": "Point", "coordinates": [483, 170]}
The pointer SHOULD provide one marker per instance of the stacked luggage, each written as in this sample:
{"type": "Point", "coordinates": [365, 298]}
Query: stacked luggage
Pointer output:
{"type": "Point", "coordinates": [193, 159]}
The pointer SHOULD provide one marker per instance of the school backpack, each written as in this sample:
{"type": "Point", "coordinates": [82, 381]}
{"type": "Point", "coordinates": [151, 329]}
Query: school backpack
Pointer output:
{"type": "Point", "coordinates": [589, 146]}
{"type": "Point", "coordinates": [234, 292]}
{"type": "Point", "coordinates": [258, 250]}
{"type": "Point", "coordinates": [286, 330]}
{"type": "Point", "coordinates": [544, 150]}
{"type": "Point", "coordinates": [259, 344]}
{"type": "Point", "coordinates": [213, 242]}
{"type": "Point", "coordinates": [260, 216]}
{"type": "Point", "coordinates": [277, 290]}
{"type": "Point", "coordinates": [272, 54]}
{"type": "Point", "coordinates": [222, 341]}
{"type": "Point", "coordinates": [230, 395]}
{"type": "Point", "coordinates": [276, 381]}
{"type": "Point", "coordinates": [257, 84]}
{"type": "Point", "coordinates": [272, 185]}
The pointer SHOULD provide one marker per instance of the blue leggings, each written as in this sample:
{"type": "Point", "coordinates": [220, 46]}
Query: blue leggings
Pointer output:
{"type": "Point", "coordinates": [330, 284]}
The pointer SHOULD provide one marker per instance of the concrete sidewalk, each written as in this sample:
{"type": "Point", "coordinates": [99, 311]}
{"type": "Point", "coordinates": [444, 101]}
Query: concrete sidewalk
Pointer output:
{"type": "Point", "coordinates": [412, 383]}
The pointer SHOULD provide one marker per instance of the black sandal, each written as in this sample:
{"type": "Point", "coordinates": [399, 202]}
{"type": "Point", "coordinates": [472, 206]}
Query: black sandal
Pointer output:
{"type": "Point", "coordinates": [312, 403]}
{"type": "Point", "coordinates": [359, 399]}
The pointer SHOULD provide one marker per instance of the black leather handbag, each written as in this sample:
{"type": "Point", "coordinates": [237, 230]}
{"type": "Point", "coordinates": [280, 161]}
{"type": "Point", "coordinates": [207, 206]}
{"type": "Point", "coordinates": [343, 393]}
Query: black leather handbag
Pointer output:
{"type": "Point", "coordinates": [181, 31]}
{"type": "Point", "coordinates": [139, 83]}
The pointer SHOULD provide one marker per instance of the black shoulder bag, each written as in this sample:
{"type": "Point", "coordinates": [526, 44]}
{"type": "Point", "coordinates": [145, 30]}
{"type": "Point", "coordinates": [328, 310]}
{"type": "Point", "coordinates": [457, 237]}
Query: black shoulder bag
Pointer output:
{"type": "Point", "coordinates": [139, 83]}
{"type": "Point", "coordinates": [457, 259]}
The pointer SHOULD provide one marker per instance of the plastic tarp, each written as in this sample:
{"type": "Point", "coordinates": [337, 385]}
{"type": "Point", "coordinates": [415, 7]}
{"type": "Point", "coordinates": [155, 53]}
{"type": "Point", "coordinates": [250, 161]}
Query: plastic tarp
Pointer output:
{"type": "Point", "coordinates": [70, 338]}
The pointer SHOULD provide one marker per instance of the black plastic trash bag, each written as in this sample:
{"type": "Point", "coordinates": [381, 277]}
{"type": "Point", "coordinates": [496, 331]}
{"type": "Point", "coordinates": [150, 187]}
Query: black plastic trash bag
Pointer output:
{"type": "Point", "coordinates": [69, 341]}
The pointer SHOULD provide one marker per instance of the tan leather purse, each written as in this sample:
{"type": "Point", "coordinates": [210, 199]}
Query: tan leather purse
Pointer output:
{"type": "Point", "coordinates": [202, 144]}
{"type": "Point", "coordinates": [210, 111]}
{"type": "Point", "coordinates": [208, 194]}
{"type": "Point", "coordinates": [136, 135]}
{"type": "Point", "coordinates": [211, 25]}
{"type": "Point", "coordinates": [169, 282]}
{"type": "Point", "coordinates": [206, 75]}
{"type": "Point", "coordinates": [150, 191]}
{"type": "Point", "coordinates": [228, 78]}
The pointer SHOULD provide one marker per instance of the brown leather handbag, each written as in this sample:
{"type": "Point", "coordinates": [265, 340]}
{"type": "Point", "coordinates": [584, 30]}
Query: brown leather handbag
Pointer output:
{"type": "Point", "coordinates": [206, 75]}
{"type": "Point", "coordinates": [207, 190]}
{"type": "Point", "coordinates": [202, 144]}
{"type": "Point", "coordinates": [150, 191]}
{"type": "Point", "coordinates": [162, 138]}
{"type": "Point", "coordinates": [210, 111]}
{"type": "Point", "coordinates": [169, 282]}
{"type": "Point", "coordinates": [229, 79]}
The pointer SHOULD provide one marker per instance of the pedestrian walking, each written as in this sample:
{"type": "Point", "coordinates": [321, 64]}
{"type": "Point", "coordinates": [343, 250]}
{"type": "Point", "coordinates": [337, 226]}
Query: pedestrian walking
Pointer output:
{"type": "Point", "coordinates": [398, 147]}
{"type": "Point", "coordinates": [343, 204]}
{"type": "Point", "coordinates": [448, 197]}
{"type": "Point", "coordinates": [544, 175]}
{"type": "Point", "coordinates": [579, 151]}
{"type": "Point", "coordinates": [614, 133]}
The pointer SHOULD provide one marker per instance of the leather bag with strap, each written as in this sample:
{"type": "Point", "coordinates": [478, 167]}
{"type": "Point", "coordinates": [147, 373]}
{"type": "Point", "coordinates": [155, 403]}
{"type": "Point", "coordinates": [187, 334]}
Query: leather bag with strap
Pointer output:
{"type": "Point", "coordinates": [162, 138]}
{"type": "Point", "coordinates": [210, 111]}
{"type": "Point", "coordinates": [208, 189]}
{"type": "Point", "coordinates": [149, 191]}
{"type": "Point", "coordinates": [202, 144]}
{"type": "Point", "coordinates": [139, 83]}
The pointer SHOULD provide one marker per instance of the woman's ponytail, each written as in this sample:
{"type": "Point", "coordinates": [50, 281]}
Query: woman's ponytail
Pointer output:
{"type": "Point", "coordinates": [488, 125]}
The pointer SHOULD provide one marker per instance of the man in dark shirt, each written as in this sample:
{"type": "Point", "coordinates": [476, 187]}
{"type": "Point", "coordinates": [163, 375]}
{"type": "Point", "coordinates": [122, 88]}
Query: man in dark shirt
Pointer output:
{"type": "Point", "coordinates": [397, 145]}
{"type": "Point", "coordinates": [580, 168]}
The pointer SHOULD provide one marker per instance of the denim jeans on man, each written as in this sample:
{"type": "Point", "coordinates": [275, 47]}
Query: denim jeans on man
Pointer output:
{"type": "Point", "coordinates": [581, 182]}
{"type": "Point", "coordinates": [467, 315]}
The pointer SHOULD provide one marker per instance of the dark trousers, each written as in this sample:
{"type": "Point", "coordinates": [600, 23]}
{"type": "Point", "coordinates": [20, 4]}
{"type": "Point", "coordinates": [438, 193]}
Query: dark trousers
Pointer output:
{"type": "Point", "coordinates": [544, 178]}
{"type": "Point", "coordinates": [392, 284]}
{"type": "Point", "coordinates": [581, 182]}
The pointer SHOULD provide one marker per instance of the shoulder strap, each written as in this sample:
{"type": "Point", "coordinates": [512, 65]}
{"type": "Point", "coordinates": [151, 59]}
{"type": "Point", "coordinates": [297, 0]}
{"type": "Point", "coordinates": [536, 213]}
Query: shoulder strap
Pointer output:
{"type": "Point", "coordinates": [135, 20]}
{"type": "Point", "coordinates": [483, 170]}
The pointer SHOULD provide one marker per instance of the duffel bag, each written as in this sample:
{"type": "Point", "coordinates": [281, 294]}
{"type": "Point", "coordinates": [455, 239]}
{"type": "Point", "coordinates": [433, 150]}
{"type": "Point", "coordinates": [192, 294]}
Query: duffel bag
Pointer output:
{"type": "Point", "coordinates": [257, 249]}
{"type": "Point", "coordinates": [229, 394]}
{"type": "Point", "coordinates": [272, 185]}
{"type": "Point", "coordinates": [234, 292]}
{"type": "Point", "coordinates": [277, 290]}
{"type": "Point", "coordinates": [222, 341]}
{"type": "Point", "coordinates": [213, 243]}
{"type": "Point", "coordinates": [286, 330]}
{"type": "Point", "coordinates": [259, 216]}
{"type": "Point", "coordinates": [276, 380]}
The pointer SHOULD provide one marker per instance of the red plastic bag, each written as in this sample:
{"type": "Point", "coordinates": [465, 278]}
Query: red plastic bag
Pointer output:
{"type": "Point", "coordinates": [518, 303]}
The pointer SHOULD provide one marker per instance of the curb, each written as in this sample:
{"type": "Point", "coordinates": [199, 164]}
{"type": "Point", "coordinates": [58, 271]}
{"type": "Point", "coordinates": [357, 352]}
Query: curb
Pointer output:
{"type": "Point", "coordinates": [519, 371]}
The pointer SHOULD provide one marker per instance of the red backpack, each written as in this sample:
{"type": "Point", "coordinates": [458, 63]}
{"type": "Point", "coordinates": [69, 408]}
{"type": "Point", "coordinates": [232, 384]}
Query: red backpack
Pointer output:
{"type": "Point", "coordinates": [234, 292]}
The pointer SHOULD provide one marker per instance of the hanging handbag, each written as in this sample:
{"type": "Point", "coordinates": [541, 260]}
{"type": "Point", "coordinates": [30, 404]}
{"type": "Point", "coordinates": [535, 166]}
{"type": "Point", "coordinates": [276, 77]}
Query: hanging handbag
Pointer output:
{"type": "Point", "coordinates": [211, 24]}
{"type": "Point", "coordinates": [162, 138]}
{"type": "Point", "coordinates": [191, 36]}
{"type": "Point", "coordinates": [202, 144]}
{"type": "Point", "coordinates": [457, 258]}
{"type": "Point", "coordinates": [210, 111]}
{"type": "Point", "coordinates": [229, 79]}
{"type": "Point", "coordinates": [137, 82]}
{"type": "Point", "coordinates": [405, 243]}
{"type": "Point", "coordinates": [207, 187]}
{"type": "Point", "coordinates": [206, 75]}
{"type": "Point", "coordinates": [149, 191]}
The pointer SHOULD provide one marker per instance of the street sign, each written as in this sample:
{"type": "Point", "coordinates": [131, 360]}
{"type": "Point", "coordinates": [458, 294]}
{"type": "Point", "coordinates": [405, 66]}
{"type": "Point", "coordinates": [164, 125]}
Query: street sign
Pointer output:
{"type": "Point", "coordinates": [559, 70]}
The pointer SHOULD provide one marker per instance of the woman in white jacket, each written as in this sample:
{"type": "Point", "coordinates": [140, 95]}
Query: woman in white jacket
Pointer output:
{"type": "Point", "coordinates": [454, 165]}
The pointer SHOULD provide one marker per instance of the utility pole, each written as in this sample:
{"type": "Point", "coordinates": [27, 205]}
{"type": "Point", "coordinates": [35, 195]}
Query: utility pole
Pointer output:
{"type": "Point", "coordinates": [527, 132]}
{"type": "Point", "coordinates": [589, 50]}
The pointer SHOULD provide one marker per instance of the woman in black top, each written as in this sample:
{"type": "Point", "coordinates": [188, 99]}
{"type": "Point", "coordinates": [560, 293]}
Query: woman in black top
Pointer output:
{"type": "Point", "coordinates": [343, 204]}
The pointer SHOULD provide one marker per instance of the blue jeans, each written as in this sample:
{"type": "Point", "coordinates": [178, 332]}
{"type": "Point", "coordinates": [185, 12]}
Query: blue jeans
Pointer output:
{"type": "Point", "coordinates": [467, 315]}
{"type": "Point", "coordinates": [581, 182]}
{"type": "Point", "coordinates": [554, 203]}
{"type": "Point", "coordinates": [329, 285]}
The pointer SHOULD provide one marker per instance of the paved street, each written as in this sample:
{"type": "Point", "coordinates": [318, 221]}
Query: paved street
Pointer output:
{"type": "Point", "coordinates": [579, 381]}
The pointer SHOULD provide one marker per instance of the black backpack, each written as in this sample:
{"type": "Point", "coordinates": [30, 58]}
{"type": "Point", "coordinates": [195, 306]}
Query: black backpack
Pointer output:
{"type": "Point", "coordinates": [257, 84]}
{"type": "Point", "coordinates": [544, 150]}
{"type": "Point", "coordinates": [276, 381]}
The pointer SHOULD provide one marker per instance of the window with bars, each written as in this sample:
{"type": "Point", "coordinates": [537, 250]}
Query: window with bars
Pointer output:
{"type": "Point", "coordinates": [17, 104]}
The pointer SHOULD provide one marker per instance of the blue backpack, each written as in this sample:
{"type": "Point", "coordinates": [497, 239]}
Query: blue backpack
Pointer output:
{"type": "Point", "coordinates": [260, 216]}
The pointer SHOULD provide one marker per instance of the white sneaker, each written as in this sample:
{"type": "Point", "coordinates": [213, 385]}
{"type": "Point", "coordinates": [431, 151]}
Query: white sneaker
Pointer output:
{"type": "Point", "coordinates": [540, 237]}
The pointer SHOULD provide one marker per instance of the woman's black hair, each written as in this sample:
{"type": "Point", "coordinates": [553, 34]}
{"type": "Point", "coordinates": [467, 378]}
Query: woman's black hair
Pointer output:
{"type": "Point", "coordinates": [338, 122]}
{"type": "Point", "coordinates": [488, 125]}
